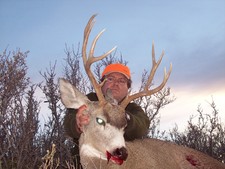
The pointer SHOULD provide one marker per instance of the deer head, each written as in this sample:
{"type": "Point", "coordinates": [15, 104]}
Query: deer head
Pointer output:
{"type": "Point", "coordinates": [103, 136]}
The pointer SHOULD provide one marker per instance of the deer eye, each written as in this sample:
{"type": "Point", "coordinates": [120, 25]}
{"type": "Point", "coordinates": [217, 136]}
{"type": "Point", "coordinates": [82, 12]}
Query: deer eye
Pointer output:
{"type": "Point", "coordinates": [100, 121]}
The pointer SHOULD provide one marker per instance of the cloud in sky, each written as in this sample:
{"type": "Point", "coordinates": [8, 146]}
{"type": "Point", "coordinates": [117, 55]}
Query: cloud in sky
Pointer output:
{"type": "Point", "coordinates": [192, 33]}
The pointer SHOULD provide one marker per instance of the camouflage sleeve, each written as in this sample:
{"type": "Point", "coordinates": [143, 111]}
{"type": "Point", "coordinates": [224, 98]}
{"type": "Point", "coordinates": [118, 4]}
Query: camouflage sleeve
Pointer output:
{"type": "Point", "coordinates": [70, 123]}
{"type": "Point", "coordinates": [137, 124]}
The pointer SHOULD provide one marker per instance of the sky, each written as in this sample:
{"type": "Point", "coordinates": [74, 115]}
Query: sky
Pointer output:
{"type": "Point", "coordinates": [192, 34]}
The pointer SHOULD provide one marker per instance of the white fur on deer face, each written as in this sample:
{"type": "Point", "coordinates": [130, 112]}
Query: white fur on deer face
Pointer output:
{"type": "Point", "coordinates": [104, 133]}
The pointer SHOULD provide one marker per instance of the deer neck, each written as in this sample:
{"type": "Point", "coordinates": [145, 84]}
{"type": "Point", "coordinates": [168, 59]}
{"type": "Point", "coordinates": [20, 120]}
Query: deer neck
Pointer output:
{"type": "Point", "coordinates": [88, 150]}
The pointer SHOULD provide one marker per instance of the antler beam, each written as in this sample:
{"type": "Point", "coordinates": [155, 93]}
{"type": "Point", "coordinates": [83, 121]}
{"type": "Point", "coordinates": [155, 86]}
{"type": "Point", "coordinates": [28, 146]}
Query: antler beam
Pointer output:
{"type": "Point", "coordinates": [147, 91]}
{"type": "Point", "coordinates": [88, 60]}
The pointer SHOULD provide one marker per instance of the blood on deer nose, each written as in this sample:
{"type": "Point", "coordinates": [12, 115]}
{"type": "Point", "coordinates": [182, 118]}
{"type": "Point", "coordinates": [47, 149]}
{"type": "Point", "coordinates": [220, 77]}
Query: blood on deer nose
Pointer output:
{"type": "Point", "coordinates": [121, 153]}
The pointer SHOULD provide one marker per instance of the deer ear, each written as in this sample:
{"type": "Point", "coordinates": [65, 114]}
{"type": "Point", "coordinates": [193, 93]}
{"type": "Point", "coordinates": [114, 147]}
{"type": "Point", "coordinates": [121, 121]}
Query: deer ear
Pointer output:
{"type": "Point", "coordinates": [70, 96]}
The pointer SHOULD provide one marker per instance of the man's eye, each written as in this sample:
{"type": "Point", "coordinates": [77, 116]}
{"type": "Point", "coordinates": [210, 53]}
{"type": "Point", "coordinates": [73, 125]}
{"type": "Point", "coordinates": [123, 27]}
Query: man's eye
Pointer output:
{"type": "Point", "coordinates": [110, 79]}
{"type": "Point", "coordinates": [122, 81]}
{"type": "Point", "coordinates": [100, 121]}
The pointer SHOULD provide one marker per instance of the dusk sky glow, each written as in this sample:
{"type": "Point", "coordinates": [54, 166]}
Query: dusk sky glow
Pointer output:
{"type": "Point", "coordinates": [192, 34]}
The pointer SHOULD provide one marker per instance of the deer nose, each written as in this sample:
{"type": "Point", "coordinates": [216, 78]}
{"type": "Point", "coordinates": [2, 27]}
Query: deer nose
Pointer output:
{"type": "Point", "coordinates": [121, 153]}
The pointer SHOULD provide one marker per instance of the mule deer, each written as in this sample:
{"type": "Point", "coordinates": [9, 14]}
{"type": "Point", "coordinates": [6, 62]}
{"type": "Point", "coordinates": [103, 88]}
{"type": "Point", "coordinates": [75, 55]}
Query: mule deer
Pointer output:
{"type": "Point", "coordinates": [102, 144]}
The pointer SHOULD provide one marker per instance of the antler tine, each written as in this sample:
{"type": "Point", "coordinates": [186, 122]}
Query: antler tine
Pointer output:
{"type": "Point", "coordinates": [91, 59]}
{"type": "Point", "coordinates": [147, 91]}
{"type": "Point", "coordinates": [155, 66]}
{"type": "Point", "coordinates": [87, 32]}
{"type": "Point", "coordinates": [91, 54]}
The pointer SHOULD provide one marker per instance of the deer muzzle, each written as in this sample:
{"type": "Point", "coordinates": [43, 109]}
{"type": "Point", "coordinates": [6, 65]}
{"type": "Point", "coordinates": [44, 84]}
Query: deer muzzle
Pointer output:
{"type": "Point", "coordinates": [118, 156]}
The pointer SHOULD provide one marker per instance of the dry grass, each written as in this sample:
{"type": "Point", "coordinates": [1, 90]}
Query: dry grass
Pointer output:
{"type": "Point", "coordinates": [49, 162]}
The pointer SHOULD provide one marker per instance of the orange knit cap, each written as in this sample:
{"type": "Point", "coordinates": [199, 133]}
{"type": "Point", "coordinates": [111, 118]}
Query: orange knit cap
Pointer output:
{"type": "Point", "coordinates": [117, 67]}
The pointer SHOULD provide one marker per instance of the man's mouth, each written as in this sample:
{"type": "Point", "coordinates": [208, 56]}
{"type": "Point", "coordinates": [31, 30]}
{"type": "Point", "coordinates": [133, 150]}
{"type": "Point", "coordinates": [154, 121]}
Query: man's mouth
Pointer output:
{"type": "Point", "coordinates": [114, 90]}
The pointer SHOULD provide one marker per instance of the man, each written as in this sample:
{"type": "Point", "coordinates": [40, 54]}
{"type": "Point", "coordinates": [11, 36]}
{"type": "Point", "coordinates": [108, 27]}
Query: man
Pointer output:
{"type": "Point", "coordinates": [118, 80]}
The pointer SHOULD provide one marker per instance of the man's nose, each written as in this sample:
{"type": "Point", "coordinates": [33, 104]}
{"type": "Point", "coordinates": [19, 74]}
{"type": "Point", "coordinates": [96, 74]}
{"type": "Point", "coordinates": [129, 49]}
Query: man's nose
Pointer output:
{"type": "Point", "coordinates": [115, 82]}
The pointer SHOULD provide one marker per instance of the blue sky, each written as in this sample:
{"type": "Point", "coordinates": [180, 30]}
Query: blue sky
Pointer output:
{"type": "Point", "coordinates": [192, 33]}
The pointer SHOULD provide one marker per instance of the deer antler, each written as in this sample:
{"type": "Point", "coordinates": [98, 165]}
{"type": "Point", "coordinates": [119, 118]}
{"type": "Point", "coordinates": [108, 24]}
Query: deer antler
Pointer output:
{"type": "Point", "coordinates": [91, 59]}
{"type": "Point", "coordinates": [147, 91]}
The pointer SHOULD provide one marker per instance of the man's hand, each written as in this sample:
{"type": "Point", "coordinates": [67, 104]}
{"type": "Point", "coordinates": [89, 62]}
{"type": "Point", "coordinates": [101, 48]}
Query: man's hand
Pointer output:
{"type": "Point", "coordinates": [82, 118]}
